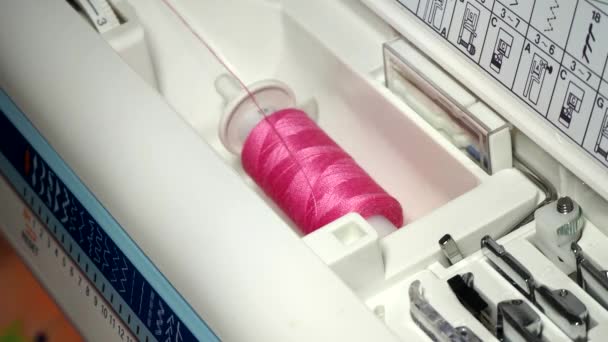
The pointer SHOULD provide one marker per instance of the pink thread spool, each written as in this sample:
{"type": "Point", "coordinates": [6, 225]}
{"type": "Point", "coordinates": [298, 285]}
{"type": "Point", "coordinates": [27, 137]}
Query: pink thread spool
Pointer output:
{"type": "Point", "coordinates": [325, 185]}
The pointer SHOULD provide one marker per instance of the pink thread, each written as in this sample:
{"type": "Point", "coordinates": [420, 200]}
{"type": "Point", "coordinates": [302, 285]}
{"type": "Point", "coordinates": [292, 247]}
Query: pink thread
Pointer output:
{"type": "Point", "coordinates": [312, 195]}
{"type": "Point", "coordinates": [318, 182]}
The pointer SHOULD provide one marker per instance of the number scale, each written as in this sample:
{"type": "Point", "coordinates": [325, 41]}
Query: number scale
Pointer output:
{"type": "Point", "coordinates": [101, 14]}
{"type": "Point", "coordinates": [128, 292]}
{"type": "Point", "coordinates": [54, 267]}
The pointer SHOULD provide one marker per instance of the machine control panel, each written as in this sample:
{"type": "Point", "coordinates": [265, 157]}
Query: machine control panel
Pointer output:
{"type": "Point", "coordinates": [550, 54]}
{"type": "Point", "coordinates": [80, 229]}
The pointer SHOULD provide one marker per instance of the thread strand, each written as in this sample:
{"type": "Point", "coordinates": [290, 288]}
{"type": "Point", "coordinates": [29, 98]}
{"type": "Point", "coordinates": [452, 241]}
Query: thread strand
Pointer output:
{"type": "Point", "coordinates": [301, 168]}
{"type": "Point", "coordinates": [242, 84]}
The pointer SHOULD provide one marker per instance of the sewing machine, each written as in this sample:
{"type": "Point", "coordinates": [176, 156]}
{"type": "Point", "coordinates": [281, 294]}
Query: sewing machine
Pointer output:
{"type": "Point", "coordinates": [119, 195]}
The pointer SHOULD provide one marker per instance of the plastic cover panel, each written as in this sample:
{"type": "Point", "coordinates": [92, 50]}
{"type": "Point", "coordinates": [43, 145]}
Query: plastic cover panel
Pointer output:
{"type": "Point", "coordinates": [549, 54]}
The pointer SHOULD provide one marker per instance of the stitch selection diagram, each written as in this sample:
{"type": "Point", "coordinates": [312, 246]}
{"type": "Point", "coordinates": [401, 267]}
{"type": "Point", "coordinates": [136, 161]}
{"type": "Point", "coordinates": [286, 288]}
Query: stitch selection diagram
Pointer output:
{"type": "Point", "coordinates": [551, 54]}
{"type": "Point", "coordinates": [434, 12]}
{"type": "Point", "coordinates": [502, 49]}
{"type": "Point", "coordinates": [601, 147]}
{"type": "Point", "coordinates": [468, 29]}
{"type": "Point", "coordinates": [553, 9]}
{"type": "Point", "coordinates": [536, 77]}
{"type": "Point", "coordinates": [588, 49]}
{"type": "Point", "coordinates": [572, 104]}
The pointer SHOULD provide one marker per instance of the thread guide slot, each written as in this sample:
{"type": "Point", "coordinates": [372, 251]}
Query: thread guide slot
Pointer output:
{"type": "Point", "coordinates": [483, 141]}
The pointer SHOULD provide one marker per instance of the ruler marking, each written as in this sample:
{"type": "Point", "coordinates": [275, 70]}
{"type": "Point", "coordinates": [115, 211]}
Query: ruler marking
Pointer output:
{"type": "Point", "coordinates": [55, 247]}
{"type": "Point", "coordinates": [68, 281]}
{"type": "Point", "coordinates": [132, 287]}
{"type": "Point", "coordinates": [141, 298]}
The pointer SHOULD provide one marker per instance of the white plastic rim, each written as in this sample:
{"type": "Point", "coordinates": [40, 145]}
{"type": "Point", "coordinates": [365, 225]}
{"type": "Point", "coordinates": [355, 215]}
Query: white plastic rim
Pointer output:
{"type": "Point", "coordinates": [382, 225]}
{"type": "Point", "coordinates": [242, 114]}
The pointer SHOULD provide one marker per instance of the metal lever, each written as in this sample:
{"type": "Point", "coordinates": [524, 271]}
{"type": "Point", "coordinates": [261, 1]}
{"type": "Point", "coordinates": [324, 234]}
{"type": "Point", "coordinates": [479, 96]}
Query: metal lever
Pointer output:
{"type": "Point", "coordinates": [517, 321]}
{"type": "Point", "coordinates": [561, 306]}
{"type": "Point", "coordinates": [450, 249]}
{"type": "Point", "coordinates": [516, 273]}
{"type": "Point", "coordinates": [591, 278]}
{"type": "Point", "coordinates": [432, 323]}
{"type": "Point", "coordinates": [565, 310]}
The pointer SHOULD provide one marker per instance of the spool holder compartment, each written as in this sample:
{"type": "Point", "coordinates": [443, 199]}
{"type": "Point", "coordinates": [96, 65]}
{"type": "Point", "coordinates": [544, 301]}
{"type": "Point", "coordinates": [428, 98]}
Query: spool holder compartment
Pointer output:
{"type": "Point", "coordinates": [370, 124]}
{"type": "Point", "coordinates": [432, 179]}
{"type": "Point", "coordinates": [440, 188]}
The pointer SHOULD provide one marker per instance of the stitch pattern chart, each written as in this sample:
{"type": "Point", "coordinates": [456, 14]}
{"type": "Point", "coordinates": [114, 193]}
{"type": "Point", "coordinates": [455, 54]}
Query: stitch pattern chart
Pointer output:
{"type": "Point", "coordinates": [553, 9]}
{"type": "Point", "coordinates": [551, 54]}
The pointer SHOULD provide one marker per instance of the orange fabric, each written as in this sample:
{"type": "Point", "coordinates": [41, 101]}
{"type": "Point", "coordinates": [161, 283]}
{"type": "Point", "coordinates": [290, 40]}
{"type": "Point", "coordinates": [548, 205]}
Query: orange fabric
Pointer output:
{"type": "Point", "coordinates": [24, 302]}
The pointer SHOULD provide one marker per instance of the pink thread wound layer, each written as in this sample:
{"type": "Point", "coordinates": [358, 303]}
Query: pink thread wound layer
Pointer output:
{"type": "Point", "coordinates": [304, 161]}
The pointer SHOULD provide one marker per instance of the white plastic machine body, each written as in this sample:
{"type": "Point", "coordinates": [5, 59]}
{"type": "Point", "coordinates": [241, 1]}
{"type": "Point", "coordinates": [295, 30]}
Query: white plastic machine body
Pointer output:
{"type": "Point", "coordinates": [117, 192]}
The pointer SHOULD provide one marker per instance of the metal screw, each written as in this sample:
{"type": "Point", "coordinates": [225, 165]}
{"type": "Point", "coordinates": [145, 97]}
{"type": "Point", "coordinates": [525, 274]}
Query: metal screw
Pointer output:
{"type": "Point", "coordinates": [463, 331]}
{"type": "Point", "coordinates": [565, 205]}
